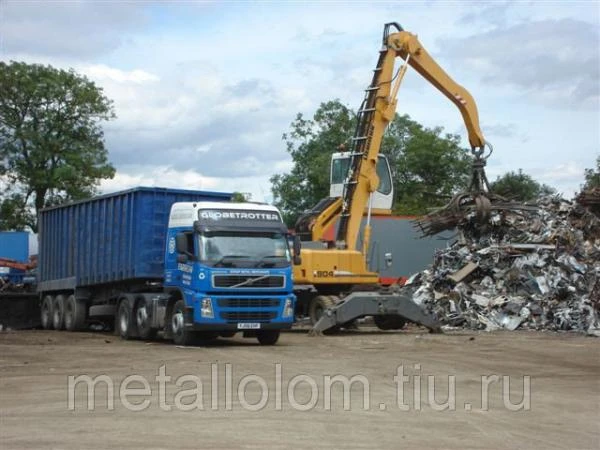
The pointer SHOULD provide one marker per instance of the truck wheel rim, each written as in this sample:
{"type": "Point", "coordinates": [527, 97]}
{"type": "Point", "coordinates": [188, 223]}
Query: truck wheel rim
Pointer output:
{"type": "Point", "coordinates": [142, 316]}
{"type": "Point", "coordinates": [45, 314]}
{"type": "Point", "coordinates": [177, 322]}
{"type": "Point", "coordinates": [124, 322]}
{"type": "Point", "coordinates": [68, 314]}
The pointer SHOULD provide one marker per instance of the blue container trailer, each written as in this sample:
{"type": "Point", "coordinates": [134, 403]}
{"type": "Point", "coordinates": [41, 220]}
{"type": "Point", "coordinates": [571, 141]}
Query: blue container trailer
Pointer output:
{"type": "Point", "coordinates": [186, 263]}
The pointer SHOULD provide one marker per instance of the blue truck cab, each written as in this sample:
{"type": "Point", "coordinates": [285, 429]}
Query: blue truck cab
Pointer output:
{"type": "Point", "coordinates": [230, 266]}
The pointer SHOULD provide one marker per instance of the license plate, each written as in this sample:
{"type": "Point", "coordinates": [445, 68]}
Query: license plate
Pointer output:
{"type": "Point", "coordinates": [248, 326]}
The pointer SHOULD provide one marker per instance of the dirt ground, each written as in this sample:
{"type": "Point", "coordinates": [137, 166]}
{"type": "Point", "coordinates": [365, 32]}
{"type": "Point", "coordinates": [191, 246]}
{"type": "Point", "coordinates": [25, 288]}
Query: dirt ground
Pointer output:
{"type": "Point", "coordinates": [562, 409]}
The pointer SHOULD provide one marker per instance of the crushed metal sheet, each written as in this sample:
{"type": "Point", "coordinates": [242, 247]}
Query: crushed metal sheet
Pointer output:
{"type": "Point", "coordinates": [537, 269]}
{"type": "Point", "coordinates": [461, 274]}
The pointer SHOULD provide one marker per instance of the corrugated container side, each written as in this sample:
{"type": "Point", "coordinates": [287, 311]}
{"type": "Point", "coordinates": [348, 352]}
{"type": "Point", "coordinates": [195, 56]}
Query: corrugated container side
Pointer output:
{"type": "Point", "coordinates": [14, 245]}
{"type": "Point", "coordinates": [410, 252]}
{"type": "Point", "coordinates": [111, 238]}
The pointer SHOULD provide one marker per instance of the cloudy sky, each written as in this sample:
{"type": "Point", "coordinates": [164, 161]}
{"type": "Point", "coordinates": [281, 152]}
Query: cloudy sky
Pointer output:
{"type": "Point", "coordinates": [204, 90]}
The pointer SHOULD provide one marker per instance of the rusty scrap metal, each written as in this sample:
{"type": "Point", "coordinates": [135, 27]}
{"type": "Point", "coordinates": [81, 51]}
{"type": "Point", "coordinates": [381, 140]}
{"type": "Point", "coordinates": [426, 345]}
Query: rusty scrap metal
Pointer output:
{"type": "Point", "coordinates": [530, 269]}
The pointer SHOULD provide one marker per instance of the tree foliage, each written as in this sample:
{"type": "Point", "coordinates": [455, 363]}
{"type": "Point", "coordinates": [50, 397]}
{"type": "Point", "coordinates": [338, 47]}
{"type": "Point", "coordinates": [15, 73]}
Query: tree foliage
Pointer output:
{"type": "Point", "coordinates": [241, 197]}
{"type": "Point", "coordinates": [51, 143]}
{"type": "Point", "coordinates": [427, 165]}
{"type": "Point", "coordinates": [310, 142]}
{"type": "Point", "coordinates": [592, 176]}
{"type": "Point", "coordinates": [519, 186]}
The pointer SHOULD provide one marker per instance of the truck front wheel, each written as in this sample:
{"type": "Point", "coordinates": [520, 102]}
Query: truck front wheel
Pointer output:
{"type": "Point", "coordinates": [181, 335]}
{"type": "Point", "coordinates": [268, 337]}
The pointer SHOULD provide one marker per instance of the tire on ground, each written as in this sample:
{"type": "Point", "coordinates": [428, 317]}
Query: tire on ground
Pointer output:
{"type": "Point", "coordinates": [318, 306]}
{"type": "Point", "coordinates": [142, 320]}
{"type": "Point", "coordinates": [181, 335]}
{"type": "Point", "coordinates": [124, 322]}
{"type": "Point", "coordinates": [58, 312]}
{"type": "Point", "coordinates": [268, 337]}
{"type": "Point", "coordinates": [46, 312]}
{"type": "Point", "coordinates": [75, 314]}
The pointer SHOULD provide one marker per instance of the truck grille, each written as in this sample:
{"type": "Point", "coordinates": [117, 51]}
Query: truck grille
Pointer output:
{"type": "Point", "coordinates": [248, 316]}
{"type": "Point", "coordinates": [272, 281]}
{"type": "Point", "coordinates": [248, 302]}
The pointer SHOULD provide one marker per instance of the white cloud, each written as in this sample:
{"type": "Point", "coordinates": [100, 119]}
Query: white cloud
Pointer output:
{"type": "Point", "coordinates": [102, 72]}
{"type": "Point", "coordinates": [556, 62]}
{"type": "Point", "coordinates": [204, 96]}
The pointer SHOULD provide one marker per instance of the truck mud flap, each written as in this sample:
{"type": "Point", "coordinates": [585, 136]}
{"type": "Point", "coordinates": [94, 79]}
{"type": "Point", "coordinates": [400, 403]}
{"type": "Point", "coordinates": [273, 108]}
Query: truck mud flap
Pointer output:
{"type": "Point", "coordinates": [360, 304]}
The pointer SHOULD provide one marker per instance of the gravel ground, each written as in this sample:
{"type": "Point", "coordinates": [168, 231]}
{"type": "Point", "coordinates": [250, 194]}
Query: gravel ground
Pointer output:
{"type": "Point", "coordinates": [280, 397]}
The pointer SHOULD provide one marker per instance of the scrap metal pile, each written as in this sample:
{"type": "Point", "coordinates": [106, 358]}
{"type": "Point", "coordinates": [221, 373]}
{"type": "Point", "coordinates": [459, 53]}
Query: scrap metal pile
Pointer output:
{"type": "Point", "coordinates": [531, 269]}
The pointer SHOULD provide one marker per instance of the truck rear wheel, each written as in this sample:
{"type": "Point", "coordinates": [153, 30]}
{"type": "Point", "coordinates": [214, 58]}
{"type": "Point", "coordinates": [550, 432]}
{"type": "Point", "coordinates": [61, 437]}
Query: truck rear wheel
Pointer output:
{"type": "Point", "coordinates": [181, 335]}
{"type": "Point", "coordinates": [268, 337]}
{"type": "Point", "coordinates": [47, 315]}
{"type": "Point", "coordinates": [142, 320]}
{"type": "Point", "coordinates": [58, 312]}
{"type": "Point", "coordinates": [75, 313]}
{"type": "Point", "coordinates": [123, 323]}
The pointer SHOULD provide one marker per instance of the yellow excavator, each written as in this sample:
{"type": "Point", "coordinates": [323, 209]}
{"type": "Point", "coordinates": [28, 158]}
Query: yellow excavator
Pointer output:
{"type": "Point", "coordinates": [334, 283]}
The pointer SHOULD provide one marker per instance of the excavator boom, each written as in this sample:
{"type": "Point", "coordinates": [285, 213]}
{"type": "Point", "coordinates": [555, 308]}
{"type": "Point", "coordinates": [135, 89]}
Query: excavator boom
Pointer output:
{"type": "Point", "coordinates": [407, 46]}
{"type": "Point", "coordinates": [378, 110]}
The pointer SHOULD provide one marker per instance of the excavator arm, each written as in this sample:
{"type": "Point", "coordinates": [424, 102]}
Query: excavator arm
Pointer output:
{"type": "Point", "coordinates": [378, 110]}
{"type": "Point", "coordinates": [407, 46]}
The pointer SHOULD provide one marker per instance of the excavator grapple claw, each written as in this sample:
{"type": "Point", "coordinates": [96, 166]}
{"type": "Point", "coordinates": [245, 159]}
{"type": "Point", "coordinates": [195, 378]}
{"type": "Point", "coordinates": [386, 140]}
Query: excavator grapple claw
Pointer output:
{"type": "Point", "coordinates": [476, 204]}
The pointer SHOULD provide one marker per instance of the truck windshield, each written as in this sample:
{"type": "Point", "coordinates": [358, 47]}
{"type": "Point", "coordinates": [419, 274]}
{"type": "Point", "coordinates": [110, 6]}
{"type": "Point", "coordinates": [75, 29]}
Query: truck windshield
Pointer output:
{"type": "Point", "coordinates": [264, 249]}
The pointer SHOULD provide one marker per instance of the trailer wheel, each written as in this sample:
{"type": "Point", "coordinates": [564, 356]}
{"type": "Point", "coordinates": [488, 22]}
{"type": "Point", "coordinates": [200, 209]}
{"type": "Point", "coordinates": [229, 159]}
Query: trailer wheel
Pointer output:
{"type": "Point", "coordinates": [75, 314]}
{"type": "Point", "coordinates": [268, 337]}
{"type": "Point", "coordinates": [58, 312]}
{"type": "Point", "coordinates": [318, 306]}
{"type": "Point", "coordinates": [389, 322]}
{"type": "Point", "coordinates": [142, 320]}
{"type": "Point", "coordinates": [123, 323]}
{"type": "Point", "coordinates": [46, 312]}
{"type": "Point", "coordinates": [181, 336]}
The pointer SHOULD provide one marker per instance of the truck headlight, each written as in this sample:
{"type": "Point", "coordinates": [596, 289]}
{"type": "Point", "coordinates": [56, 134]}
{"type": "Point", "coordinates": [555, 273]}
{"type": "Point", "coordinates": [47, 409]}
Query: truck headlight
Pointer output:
{"type": "Point", "coordinates": [288, 308]}
{"type": "Point", "coordinates": [207, 309]}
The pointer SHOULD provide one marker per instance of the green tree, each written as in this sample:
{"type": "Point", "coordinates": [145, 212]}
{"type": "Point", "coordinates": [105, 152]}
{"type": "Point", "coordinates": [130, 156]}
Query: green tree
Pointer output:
{"type": "Point", "coordinates": [241, 197]}
{"type": "Point", "coordinates": [520, 186]}
{"type": "Point", "coordinates": [427, 166]}
{"type": "Point", "coordinates": [51, 143]}
{"type": "Point", "coordinates": [310, 142]}
{"type": "Point", "coordinates": [592, 176]}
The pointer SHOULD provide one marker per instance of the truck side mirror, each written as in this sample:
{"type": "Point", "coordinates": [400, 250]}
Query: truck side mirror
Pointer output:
{"type": "Point", "coordinates": [297, 249]}
{"type": "Point", "coordinates": [181, 243]}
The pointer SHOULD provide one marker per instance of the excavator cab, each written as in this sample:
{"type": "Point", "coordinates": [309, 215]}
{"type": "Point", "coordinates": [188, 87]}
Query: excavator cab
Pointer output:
{"type": "Point", "coordinates": [382, 200]}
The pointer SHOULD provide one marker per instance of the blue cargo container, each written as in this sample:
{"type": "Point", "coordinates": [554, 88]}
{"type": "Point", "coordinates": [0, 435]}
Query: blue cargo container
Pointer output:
{"type": "Point", "coordinates": [14, 245]}
{"type": "Point", "coordinates": [155, 259]}
{"type": "Point", "coordinates": [110, 238]}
